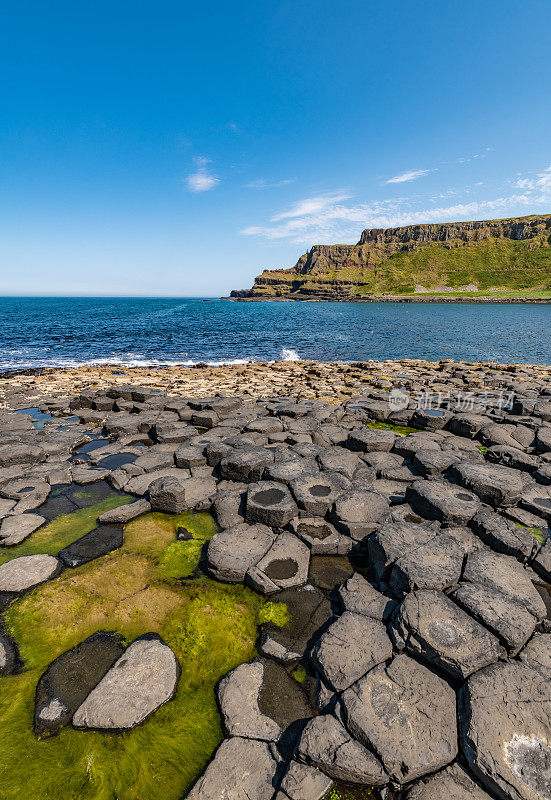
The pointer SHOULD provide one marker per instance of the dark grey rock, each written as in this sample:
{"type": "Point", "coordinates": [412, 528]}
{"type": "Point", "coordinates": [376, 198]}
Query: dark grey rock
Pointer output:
{"type": "Point", "coordinates": [124, 514]}
{"type": "Point", "coordinates": [359, 596]}
{"type": "Point", "coordinates": [9, 657]}
{"type": "Point", "coordinates": [231, 552]}
{"type": "Point", "coordinates": [175, 495]}
{"type": "Point", "coordinates": [511, 457]}
{"type": "Point", "coordinates": [504, 721]}
{"type": "Point", "coordinates": [538, 500]}
{"type": "Point", "coordinates": [93, 544]}
{"type": "Point", "coordinates": [238, 696]}
{"type": "Point", "coordinates": [246, 464]}
{"type": "Point", "coordinates": [358, 512]}
{"type": "Point", "coordinates": [284, 566]}
{"type": "Point", "coordinates": [24, 572]}
{"type": "Point", "coordinates": [242, 769]}
{"type": "Point", "coordinates": [327, 745]}
{"type": "Point", "coordinates": [338, 459]}
{"type": "Point", "coordinates": [436, 564]}
{"type": "Point", "coordinates": [542, 563]}
{"type": "Point", "coordinates": [321, 537]}
{"type": "Point", "coordinates": [405, 714]}
{"type": "Point", "coordinates": [370, 440]}
{"type": "Point", "coordinates": [14, 530]}
{"type": "Point", "coordinates": [350, 647]}
{"type": "Point", "coordinates": [442, 501]}
{"type": "Point", "coordinates": [317, 494]}
{"type": "Point", "coordinates": [496, 485]}
{"type": "Point", "coordinates": [270, 503]}
{"type": "Point", "coordinates": [504, 536]}
{"type": "Point", "coordinates": [452, 783]}
{"type": "Point", "coordinates": [229, 506]}
{"type": "Point", "coordinates": [434, 629]}
{"type": "Point", "coordinates": [303, 782]}
{"type": "Point", "coordinates": [392, 541]}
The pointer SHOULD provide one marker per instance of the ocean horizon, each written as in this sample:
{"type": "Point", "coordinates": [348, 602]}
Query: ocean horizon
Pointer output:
{"type": "Point", "coordinates": [160, 331]}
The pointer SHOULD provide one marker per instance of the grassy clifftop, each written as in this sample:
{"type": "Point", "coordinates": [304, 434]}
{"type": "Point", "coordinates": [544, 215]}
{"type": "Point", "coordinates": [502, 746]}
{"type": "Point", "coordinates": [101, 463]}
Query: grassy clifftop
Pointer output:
{"type": "Point", "coordinates": [497, 258]}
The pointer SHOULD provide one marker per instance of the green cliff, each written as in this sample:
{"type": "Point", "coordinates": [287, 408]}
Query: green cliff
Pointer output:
{"type": "Point", "coordinates": [494, 258]}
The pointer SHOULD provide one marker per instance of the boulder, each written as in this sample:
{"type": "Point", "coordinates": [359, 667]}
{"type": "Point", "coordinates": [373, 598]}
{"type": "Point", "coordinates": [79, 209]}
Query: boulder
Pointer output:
{"type": "Point", "coordinates": [442, 501]}
{"type": "Point", "coordinates": [9, 657]}
{"type": "Point", "coordinates": [504, 723]}
{"type": "Point", "coordinates": [327, 745]}
{"type": "Point", "coordinates": [231, 552]}
{"type": "Point", "coordinates": [14, 530]}
{"type": "Point", "coordinates": [242, 769]}
{"type": "Point", "coordinates": [433, 629]}
{"type": "Point", "coordinates": [138, 683]}
{"type": "Point", "coordinates": [392, 541]}
{"type": "Point", "coordinates": [123, 514]}
{"type": "Point", "coordinates": [370, 440]}
{"type": "Point", "coordinates": [338, 459]}
{"type": "Point", "coordinates": [238, 695]}
{"type": "Point", "coordinates": [174, 495]}
{"type": "Point", "coordinates": [405, 714]}
{"type": "Point", "coordinates": [246, 464]}
{"type": "Point", "coordinates": [24, 572]}
{"type": "Point", "coordinates": [504, 536]}
{"type": "Point", "coordinates": [270, 503]}
{"type": "Point", "coordinates": [350, 647]}
{"type": "Point", "coordinates": [359, 596]}
{"type": "Point", "coordinates": [498, 486]}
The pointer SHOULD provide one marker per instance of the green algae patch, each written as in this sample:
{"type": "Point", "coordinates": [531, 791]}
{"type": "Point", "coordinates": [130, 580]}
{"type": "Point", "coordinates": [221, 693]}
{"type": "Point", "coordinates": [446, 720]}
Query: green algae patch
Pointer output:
{"type": "Point", "coordinates": [538, 533]}
{"type": "Point", "coordinates": [403, 430]}
{"type": "Point", "coordinates": [210, 626]}
{"type": "Point", "coordinates": [344, 791]}
{"type": "Point", "coordinates": [64, 530]}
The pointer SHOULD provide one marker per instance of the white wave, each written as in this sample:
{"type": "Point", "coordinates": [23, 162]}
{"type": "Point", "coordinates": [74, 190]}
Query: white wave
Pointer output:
{"type": "Point", "coordinates": [287, 354]}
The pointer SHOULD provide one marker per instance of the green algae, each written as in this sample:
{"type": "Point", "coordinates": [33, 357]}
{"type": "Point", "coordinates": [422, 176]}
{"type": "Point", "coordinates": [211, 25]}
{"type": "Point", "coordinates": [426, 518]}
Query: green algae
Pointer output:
{"type": "Point", "coordinates": [210, 626]}
{"type": "Point", "coordinates": [403, 430]}
{"type": "Point", "coordinates": [343, 791]}
{"type": "Point", "coordinates": [64, 530]}
{"type": "Point", "coordinates": [299, 674]}
{"type": "Point", "coordinates": [538, 533]}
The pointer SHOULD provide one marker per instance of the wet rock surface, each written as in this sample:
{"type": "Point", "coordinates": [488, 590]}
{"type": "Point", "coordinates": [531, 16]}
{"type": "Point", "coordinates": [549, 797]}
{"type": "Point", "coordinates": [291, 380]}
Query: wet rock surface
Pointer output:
{"type": "Point", "coordinates": [414, 568]}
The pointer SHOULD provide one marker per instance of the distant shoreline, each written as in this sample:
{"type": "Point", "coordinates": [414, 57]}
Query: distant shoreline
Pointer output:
{"type": "Point", "coordinates": [396, 299]}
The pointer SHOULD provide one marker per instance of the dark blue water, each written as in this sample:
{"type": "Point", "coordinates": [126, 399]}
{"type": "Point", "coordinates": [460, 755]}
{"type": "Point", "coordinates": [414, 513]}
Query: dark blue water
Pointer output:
{"type": "Point", "coordinates": [136, 331]}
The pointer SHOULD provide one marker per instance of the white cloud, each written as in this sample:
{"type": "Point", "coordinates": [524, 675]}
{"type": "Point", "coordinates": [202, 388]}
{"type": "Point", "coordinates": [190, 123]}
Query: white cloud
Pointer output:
{"type": "Point", "coordinates": [328, 219]}
{"type": "Point", "coordinates": [202, 180]}
{"type": "Point", "coordinates": [261, 183]}
{"type": "Point", "coordinates": [411, 175]}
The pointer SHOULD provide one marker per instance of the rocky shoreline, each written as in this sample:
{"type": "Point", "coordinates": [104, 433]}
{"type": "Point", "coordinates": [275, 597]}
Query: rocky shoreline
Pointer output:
{"type": "Point", "coordinates": [401, 512]}
{"type": "Point", "coordinates": [328, 298]}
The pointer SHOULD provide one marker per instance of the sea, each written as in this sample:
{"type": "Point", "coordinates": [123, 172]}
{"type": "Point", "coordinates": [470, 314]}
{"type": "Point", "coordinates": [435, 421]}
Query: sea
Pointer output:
{"type": "Point", "coordinates": [66, 332]}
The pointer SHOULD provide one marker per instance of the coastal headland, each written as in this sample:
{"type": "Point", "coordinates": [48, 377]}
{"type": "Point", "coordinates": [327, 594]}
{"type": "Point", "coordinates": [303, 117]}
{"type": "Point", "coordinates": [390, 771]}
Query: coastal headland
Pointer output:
{"type": "Point", "coordinates": [506, 260]}
{"type": "Point", "coordinates": [324, 580]}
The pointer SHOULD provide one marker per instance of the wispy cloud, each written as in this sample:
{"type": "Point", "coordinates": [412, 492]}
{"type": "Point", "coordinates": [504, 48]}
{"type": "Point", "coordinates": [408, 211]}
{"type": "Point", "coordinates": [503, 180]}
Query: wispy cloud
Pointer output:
{"type": "Point", "coordinates": [329, 218]}
{"type": "Point", "coordinates": [411, 175]}
{"type": "Point", "coordinates": [202, 180]}
{"type": "Point", "coordinates": [261, 183]}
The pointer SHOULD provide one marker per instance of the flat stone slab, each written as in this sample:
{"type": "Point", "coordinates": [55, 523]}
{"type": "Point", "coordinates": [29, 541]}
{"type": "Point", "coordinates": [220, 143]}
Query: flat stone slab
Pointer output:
{"type": "Point", "coordinates": [175, 495]}
{"type": "Point", "coordinates": [284, 566]}
{"type": "Point", "coordinates": [406, 715]}
{"type": "Point", "coordinates": [370, 440]}
{"type": "Point", "coordinates": [359, 596]}
{"type": "Point", "coordinates": [537, 654]}
{"type": "Point", "coordinates": [242, 769]}
{"type": "Point", "coordinates": [93, 544]}
{"type": "Point", "coordinates": [140, 484]}
{"type": "Point", "coordinates": [321, 537]}
{"type": "Point", "coordinates": [270, 503]}
{"type": "Point", "coordinates": [139, 682]}
{"type": "Point", "coordinates": [443, 501]}
{"type": "Point", "coordinates": [392, 541]}
{"type": "Point", "coordinates": [124, 514]}
{"type": "Point", "coordinates": [25, 572]}
{"type": "Point", "coordinates": [16, 529]}
{"type": "Point", "coordinates": [503, 536]}
{"type": "Point", "coordinates": [434, 629]}
{"type": "Point", "coordinates": [538, 500]}
{"type": "Point", "coordinates": [504, 721]}
{"type": "Point", "coordinates": [316, 494]}
{"type": "Point", "coordinates": [231, 552]}
{"type": "Point", "coordinates": [326, 744]}
{"type": "Point", "coordinates": [452, 783]}
{"type": "Point", "coordinates": [358, 512]}
{"type": "Point", "coordinates": [496, 485]}
{"type": "Point", "coordinates": [350, 647]}
{"type": "Point", "coordinates": [498, 592]}
{"type": "Point", "coordinates": [238, 695]}
{"type": "Point", "coordinates": [71, 677]}
{"type": "Point", "coordinates": [303, 782]}
{"type": "Point", "coordinates": [436, 564]}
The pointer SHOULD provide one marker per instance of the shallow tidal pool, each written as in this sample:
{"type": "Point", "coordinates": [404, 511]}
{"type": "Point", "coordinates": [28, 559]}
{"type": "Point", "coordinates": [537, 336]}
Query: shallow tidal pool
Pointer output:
{"type": "Point", "coordinates": [150, 584]}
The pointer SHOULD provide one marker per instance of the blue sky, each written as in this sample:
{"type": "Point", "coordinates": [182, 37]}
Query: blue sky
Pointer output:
{"type": "Point", "coordinates": [179, 148]}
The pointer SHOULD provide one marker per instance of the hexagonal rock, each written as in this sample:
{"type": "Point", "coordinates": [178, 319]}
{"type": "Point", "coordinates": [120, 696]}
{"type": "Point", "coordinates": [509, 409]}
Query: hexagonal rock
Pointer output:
{"type": "Point", "coordinates": [14, 530]}
{"type": "Point", "coordinates": [246, 464]}
{"type": "Point", "coordinates": [504, 722]}
{"type": "Point", "coordinates": [241, 769]}
{"type": "Point", "coordinates": [537, 654]}
{"type": "Point", "coordinates": [392, 541]}
{"type": "Point", "coordinates": [350, 647]}
{"type": "Point", "coordinates": [231, 552]}
{"type": "Point", "coordinates": [370, 440]}
{"type": "Point", "coordinates": [140, 484]}
{"type": "Point", "coordinates": [270, 503]}
{"type": "Point", "coordinates": [124, 514]}
{"type": "Point", "coordinates": [11, 454]}
{"type": "Point", "coordinates": [497, 591]}
{"type": "Point", "coordinates": [498, 486]}
{"type": "Point", "coordinates": [406, 715]}
{"type": "Point", "coordinates": [358, 512]}
{"type": "Point", "coordinates": [284, 566]}
{"type": "Point", "coordinates": [338, 459]}
{"type": "Point", "coordinates": [138, 683]}
{"type": "Point", "coordinates": [24, 572]}
{"type": "Point", "coordinates": [543, 440]}
{"type": "Point", "coordinates": [452, 783]}
{"type": "Point", "coordinates": [321, 537]}
{"type": "Point", "coordinates": [437, 564]}
{"type": "Point", "coordinates": [29, 492]}
{"type": "Point", "coordinates": [174, 495]}
{"type": "Point", "coordinates": [315, 495]}
{"type": "Point", "coordinates": [432, 462]}
{"type": "Point", "coordinates": [442, 501]}
{"type": "Point", "coordinates": [503, 536]}
{"type": "Point", "coordinates": [303, 782]}
{"type": "Point", "coordinates": [288, 471]}
{"type": "Point", "coordinates": [538, 500]}
{"type": "Point", "coordinates": [238, 695]}
{"type": "Point", "coordinates": [359, 596]}
{"type": "Point", "coordinates": [327, 745]}
{"type": "Point", "coordinates": [431, 627]}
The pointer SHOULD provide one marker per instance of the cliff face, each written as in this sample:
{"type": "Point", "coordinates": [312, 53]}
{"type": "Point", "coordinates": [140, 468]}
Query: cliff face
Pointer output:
{"type": "Point", "coordinates": [453, 257]}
